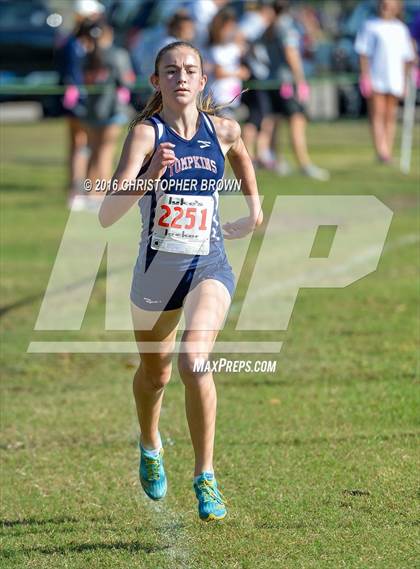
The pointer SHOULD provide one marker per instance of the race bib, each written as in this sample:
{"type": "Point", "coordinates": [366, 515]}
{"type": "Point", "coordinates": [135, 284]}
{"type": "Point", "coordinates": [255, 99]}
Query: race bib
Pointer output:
{"type": "Point", "coordinates": [182, 224]}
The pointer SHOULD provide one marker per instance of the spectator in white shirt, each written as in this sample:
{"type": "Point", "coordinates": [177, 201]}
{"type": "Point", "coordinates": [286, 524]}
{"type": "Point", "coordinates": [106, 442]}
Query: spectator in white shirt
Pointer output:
{"type": "Point", "coordinates": [203, 12]}
{"type": "Point", "coordinates": [225, 52]}
{"type": "Point", "coordinates": [386, 52]}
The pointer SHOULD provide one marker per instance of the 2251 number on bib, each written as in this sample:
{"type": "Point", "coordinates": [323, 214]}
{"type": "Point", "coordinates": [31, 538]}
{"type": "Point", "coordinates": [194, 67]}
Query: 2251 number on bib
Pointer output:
{"type": "Point", "coordinates": [183, 224]}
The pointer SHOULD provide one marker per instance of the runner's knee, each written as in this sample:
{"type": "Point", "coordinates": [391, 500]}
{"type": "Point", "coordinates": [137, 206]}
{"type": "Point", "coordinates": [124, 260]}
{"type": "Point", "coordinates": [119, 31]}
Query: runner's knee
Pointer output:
{"type": "Point", "coordinates": [190, 366]}
{"type": "Point", "coordinates": [154, 375]}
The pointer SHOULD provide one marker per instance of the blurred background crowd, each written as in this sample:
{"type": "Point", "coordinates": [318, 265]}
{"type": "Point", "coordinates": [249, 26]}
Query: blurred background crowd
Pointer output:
{"type": "Point", "coordinates": [91, 61]}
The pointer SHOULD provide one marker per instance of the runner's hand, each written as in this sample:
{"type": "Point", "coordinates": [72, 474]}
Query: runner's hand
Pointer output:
{"type": "Point", "coordinates": [162, 158]}
{"type": "Point", "coordinates": [239, 228]}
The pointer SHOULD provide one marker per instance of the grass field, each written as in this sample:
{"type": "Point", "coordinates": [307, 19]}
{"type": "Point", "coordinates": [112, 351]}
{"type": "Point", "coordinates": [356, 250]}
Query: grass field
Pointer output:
{"type": "Point", "coordinates": [318, 461]}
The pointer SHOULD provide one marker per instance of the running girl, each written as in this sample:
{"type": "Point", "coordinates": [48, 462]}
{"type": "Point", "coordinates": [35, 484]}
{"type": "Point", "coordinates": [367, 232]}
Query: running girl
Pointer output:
{"type": "Point", "coordinates": [182, 265]}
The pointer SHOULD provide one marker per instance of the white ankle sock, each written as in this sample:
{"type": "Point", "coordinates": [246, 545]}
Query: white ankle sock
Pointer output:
{"type": "Point", "coordinates": [153, 451]}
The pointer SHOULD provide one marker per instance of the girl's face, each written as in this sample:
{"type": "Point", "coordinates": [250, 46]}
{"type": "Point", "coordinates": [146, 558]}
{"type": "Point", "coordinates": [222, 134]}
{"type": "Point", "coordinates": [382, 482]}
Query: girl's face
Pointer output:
{"type": "Point", "coordinates": [389, 9]}
{"type": "Point", "coordinates": [186, 31]}
{"type": "Point", "coordinates": [180, 77]}
{"type": "Point", "coordinates": [228, 31]}
{"type": "Point", "coordinates": [225, 32]}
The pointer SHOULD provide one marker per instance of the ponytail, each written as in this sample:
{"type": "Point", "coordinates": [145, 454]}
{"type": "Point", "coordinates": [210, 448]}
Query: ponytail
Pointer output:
{"type": "Point", "coordinates": [153, 106]}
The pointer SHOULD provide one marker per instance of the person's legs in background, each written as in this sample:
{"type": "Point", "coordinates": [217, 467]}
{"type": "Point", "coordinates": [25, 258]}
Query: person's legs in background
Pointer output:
{"type": "Point", "coordinates": [78, 155]}
{"type": "Point", "coordinates": [102, 141]}
{"type": "Point", "coordinates": [281, 165]}
{"type": "Point", "coordinates": [249, 136]}
{"type": "Point", "coordinates": [94, 138]}
{"type": "Point", "coordinates": [377, 108]}
{"type": "Point", "coordinates": [298, 138]}
{"type": "Point", "coordinates": [250, 127]}
{"type": "Point", "coordinates": [265, 155]}
{"type": "Point", "coordinates": [298, 123]}
{"type": "Point", "coordinates": [293, 110]}
{"type": "Point", "coordinates": [391, 107]}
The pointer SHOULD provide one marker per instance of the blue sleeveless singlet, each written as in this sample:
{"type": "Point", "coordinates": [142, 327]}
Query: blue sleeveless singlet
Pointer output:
{"type": "Point", "coordinates": [200, 159]}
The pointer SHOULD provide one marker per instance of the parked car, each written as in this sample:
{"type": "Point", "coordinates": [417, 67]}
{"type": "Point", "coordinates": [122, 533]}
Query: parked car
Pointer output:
{"type": "Point", "coordinates": [28, 34]}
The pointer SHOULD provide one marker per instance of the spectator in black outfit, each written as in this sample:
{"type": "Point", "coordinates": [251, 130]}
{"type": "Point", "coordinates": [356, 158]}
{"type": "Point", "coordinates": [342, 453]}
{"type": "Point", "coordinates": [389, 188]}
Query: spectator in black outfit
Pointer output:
{"type": "Point", "coordinates": [281, 40]}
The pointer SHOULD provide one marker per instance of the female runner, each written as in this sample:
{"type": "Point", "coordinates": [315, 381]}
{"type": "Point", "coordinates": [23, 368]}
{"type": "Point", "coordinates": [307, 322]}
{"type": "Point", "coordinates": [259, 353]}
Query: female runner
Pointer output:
{"type": "Point", "coordinates": [182, 265]}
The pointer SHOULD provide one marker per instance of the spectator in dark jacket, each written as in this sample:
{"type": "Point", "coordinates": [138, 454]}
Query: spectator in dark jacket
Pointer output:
{"type": "Point", "coordinates": [108, 68]}
{"type": "Point", "coordinates": [70, 57]}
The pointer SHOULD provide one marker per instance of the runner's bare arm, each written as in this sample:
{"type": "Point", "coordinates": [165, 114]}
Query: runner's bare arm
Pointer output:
{"type": "Point", "coordinates": [137, 148]}
{"type": "Point", "coordinates": [229, 134]}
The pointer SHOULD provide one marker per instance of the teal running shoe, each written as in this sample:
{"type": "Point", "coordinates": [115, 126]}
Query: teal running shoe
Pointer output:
{"type": "Point", "coordinates": [211, 502]}
{"type": "Point", "coordinates": [152, 474]}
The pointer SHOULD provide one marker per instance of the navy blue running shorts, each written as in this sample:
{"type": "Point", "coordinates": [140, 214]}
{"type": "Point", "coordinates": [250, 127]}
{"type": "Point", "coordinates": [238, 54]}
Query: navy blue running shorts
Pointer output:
{"type": "Point", "coordinates": [161, 289]}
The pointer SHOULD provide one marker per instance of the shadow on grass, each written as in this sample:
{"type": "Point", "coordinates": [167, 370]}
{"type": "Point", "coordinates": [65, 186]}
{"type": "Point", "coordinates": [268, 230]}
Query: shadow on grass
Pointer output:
{"type": "Point", "coordinates": [34, 523]}
{"type": "Point", "coordinates": [48, 521]}
{"type": "Point", "coordinates": [257, 383]}
{"type": "Point", "coordinates": [129, 546]}
{"type": "Point", "coordinates": [18, 303]}
{"type": "Point", "coordinates": [63, 524]}
{"type": "Point", "coordinates": [301, 441]}
{"type": "Point", "coordinates": [39, 161]}
{"type": "Point", "coordinates": [26, 300]}
{"type": "Point", "coordinates": [11, 187]}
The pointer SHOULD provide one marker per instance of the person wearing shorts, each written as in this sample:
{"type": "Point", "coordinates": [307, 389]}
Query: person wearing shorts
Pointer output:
{"type": "Point", "coordinates": [161, 278]}
{"type": "Point", "coordinates": [108, 68]}
{"type": "Point", "coordinates": [70, 55]}
{"type": "Point", "coordinates": [282, 42]}
{"type": "Point", "coordinates": [386, 55]}
{"type": "Point", "coordinates": [181, 267]}
{"type": "Point", "coordinates": [224, 56]}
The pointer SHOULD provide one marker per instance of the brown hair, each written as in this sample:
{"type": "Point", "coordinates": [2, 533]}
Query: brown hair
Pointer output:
{"type": "Point", "coordinates": [399, 12]}
{"type": "Point", "coordinates": [281, 6]}
{"type": "Point", "coordinates": [93, 30]}
{"type": "Point", "coordinates": [177, 19]}
{"type": "Point", "coordinates": [205, 103]}
{"type": "Point", "coordinates": [220, 19]}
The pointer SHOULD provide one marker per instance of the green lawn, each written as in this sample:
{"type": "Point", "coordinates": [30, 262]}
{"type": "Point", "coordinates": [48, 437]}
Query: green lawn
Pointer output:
{"type": "Point", "coordinates": [319, 461]}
